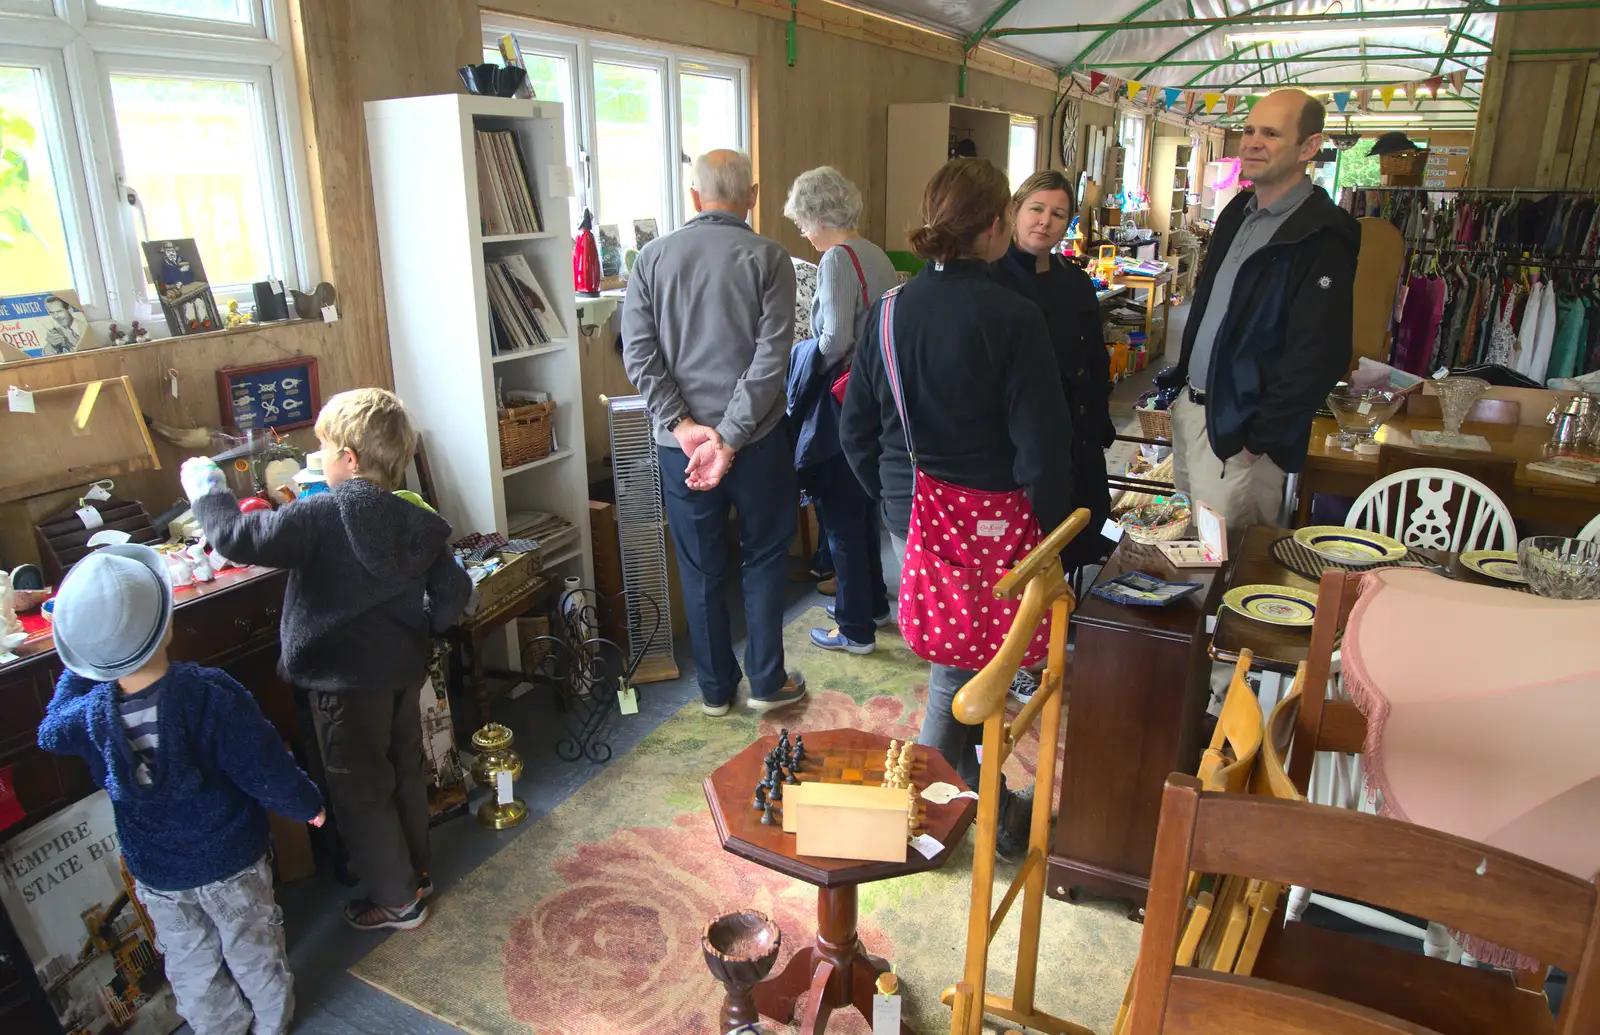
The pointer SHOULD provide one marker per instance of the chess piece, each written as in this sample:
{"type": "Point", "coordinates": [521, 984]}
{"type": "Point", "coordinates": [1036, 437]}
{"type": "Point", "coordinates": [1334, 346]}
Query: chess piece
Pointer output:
{"type": "Point", "coordinates": [766, 815]}
{"type": "Point", "coordinates": [775, 791]}
{"type": "Point", "coordinates": [761, 797]}
{"type": "Point", "coordinates": [791, 778]}
{"type": "Point", "coordinates": [799, 747]}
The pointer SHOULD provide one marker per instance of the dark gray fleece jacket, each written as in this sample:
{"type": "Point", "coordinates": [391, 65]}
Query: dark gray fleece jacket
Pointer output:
{"type": "Point", "coordinates": [371, 577]}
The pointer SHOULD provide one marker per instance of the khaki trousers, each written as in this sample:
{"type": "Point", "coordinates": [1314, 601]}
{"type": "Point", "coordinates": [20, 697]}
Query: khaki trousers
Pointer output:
{"type": "Point", "coordinates": [1243, 491]}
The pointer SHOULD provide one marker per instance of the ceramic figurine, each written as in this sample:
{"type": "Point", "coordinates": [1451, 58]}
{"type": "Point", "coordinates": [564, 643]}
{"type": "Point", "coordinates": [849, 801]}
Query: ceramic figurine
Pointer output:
{"type": "Point", "coordinates": [117, 335]}
{"type": "Point", "coordinates": [180, 570]}
{"type": "Point", "coordinates": [11, 631]}
{"type": "Point", "coordinates": [235, 317]}
{"type": "Point", "coordinates": [137, 334]}
{"type": "Point", "coordinates": [203, 572]}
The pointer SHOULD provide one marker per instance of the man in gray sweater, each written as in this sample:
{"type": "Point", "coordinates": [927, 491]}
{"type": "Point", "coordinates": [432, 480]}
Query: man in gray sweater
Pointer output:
{"type": "Point", "coordinates": [706, 331]}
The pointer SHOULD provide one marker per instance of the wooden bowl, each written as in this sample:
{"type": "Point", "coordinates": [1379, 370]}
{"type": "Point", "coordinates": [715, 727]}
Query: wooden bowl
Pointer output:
{"type": "Point", "coordinates": [740, 948]}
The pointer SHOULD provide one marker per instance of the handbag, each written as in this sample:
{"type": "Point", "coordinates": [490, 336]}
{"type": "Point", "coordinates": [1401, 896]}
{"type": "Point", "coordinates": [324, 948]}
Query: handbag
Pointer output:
{"type": "Point", "coordinates": [842, 382]}
{"type": "Point", "coordinates": [960, 544]}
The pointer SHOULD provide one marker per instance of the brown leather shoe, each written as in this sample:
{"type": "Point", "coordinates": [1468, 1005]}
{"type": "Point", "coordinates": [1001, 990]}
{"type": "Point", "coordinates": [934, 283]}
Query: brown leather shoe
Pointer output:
{"type": "Point", "coordinates": [828, 586]}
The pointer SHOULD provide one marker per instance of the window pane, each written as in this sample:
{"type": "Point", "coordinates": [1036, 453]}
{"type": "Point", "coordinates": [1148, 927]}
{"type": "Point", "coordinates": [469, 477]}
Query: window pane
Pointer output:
{"type": "Point", "coordinates": [629, 134]}
{"type": "Point", "coordinates": [212, 10]}
{"type": "Point", "coordinates": [710, 121]}
{"type": "Point", "coordinates": [190, 149]}
{"type": "Point", "coordinates": [1024, 152]}
{"type": "Point", "coordinates": [33, 238]}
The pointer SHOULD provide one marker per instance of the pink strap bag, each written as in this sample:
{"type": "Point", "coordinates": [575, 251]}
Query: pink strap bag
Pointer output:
{"type": "Point", "coordinates": [960, 544]}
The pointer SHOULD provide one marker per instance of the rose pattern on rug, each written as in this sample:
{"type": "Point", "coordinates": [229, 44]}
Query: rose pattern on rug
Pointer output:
{"type": "Point", "coordinates": [833, 710]}
{"type": "Point", "coordinates": [618, 947]}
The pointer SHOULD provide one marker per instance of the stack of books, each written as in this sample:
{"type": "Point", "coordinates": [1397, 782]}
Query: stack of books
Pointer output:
{"type": "Point", "coordinates": [508, 203]}
{"type": "Point", "coordinates": [520, 314]}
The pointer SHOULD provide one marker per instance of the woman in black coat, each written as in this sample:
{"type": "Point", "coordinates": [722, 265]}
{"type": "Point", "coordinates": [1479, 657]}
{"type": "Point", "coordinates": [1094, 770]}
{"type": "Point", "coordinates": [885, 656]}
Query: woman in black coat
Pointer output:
{"type": "Point", "coordinates": [1065, 294]}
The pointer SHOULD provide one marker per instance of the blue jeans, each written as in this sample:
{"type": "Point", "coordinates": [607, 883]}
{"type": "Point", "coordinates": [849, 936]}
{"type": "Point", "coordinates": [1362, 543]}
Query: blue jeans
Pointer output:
{"type": "Point", "coordinates": [851, 529]}
{"type": "Point", "coordinates": [761, 486]}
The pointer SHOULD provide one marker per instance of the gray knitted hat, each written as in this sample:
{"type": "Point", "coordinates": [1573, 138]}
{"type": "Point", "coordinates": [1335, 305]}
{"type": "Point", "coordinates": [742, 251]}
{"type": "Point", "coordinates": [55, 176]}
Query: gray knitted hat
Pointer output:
{"type": "Point", "coordinates": [113, 611]}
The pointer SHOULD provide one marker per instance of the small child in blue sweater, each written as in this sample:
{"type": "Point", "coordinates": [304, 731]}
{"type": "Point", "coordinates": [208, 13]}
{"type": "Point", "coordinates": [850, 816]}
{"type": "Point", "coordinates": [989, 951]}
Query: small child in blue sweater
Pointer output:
{"type": "Point", "coordinates": [191, 767]}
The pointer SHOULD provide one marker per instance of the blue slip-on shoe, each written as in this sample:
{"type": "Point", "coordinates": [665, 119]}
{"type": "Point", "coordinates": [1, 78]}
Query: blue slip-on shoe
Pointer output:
{"type": "Point", "coordinates": [833, 639]}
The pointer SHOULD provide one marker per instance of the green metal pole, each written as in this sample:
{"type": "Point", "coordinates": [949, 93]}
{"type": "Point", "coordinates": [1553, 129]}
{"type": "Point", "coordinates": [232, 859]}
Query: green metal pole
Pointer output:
{"type": "Point", "coordinates": [989, 23]}
{"type": "Point", "coordinates": [1290, 19]}
{"type": "Point", "coordinates": [1303, 57]}
{"type": "Point", "coordinates": [791, 44]}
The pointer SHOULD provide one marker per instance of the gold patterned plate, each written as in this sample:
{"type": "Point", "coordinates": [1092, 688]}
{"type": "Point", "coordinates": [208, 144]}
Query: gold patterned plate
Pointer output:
{"type": "Point", "coordinates": [1275, 605]}
{"type": "Point", "coordinates": [1495, 564]}
{"type": "Point", "coordinates": [1353, 546]}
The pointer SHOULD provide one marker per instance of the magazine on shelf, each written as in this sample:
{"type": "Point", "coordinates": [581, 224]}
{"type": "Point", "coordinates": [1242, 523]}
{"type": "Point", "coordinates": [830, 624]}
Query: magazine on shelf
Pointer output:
{"type": "Point", "coordinates": [506, 198]}
{"type": "Point", "coordinates": [520, 308]}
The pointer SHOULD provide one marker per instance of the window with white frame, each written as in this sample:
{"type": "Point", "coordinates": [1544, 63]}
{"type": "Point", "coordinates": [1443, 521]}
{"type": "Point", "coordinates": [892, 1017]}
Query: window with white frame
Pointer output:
{"type": "Point", "coordinates": [124, 121]}
{"type": "Point", "coordinates": [1131, 131]}
{"type": "Point", "coordinates": [637, 114]}
{"type": "Point", "coordinates": [1023, 157]}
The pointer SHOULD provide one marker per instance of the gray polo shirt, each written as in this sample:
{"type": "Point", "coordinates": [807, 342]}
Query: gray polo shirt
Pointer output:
{"type": "Point", "coordinates": [1258, 228]}
{"type": "Point", "coordinates": [707, 326]}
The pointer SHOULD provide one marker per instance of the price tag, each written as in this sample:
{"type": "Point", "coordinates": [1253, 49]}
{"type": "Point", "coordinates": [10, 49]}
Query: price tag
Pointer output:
{"type": "Point", "coordinates": [109, 537]}
{"type": "Point", "coordinates": [927, 846]}
{"type": "Point", "coordinates": [942, 793]}
{"type": "Point", "coordinates": [90, 517]}
{"type": "Point", "coordinates": [330, 314]}
{"type": "Point", "coordinates": [275, 285]}
{"type": "Point", "coordinates": [20, 400]}
{"type": "Point", "coordinates": [97, 491]}
{"type": "Point", "coordinates": [502, 788]}
{"type": "Point", "coordinates": [172, 377]}
{"type": "Point", "coordinates": [1365, 407]}
{"type": "Point", "coordinates": [885, 1015]}
{"type": "Point", "coordinates": [1112, 531]}
{"type": "Point", "coordinates": [7, 658]}
{"type": "Point", "coordinates": [627, 698]}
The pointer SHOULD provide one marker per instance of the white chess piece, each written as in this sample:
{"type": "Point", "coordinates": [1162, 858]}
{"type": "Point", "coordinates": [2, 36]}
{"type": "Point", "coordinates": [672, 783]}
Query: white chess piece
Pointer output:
{"type": "Point", "coordinates": [11, 632]}
{"type": "Point", "coordinates": [203, 572]}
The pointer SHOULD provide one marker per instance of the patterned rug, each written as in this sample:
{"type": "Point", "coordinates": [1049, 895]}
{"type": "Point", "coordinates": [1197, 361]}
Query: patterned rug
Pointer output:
{"type": "Point", "coordinates": [590, 922]}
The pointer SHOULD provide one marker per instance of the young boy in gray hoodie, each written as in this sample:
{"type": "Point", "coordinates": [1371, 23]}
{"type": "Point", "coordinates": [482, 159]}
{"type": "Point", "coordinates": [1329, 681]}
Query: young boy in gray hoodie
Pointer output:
{"type": "Point", "coordinates": [371, 581]}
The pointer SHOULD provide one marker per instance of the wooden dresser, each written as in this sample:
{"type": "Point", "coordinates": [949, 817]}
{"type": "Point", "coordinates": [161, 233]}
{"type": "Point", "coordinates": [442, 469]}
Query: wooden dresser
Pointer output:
{"type": "Point", "coordinates": [231, 624]}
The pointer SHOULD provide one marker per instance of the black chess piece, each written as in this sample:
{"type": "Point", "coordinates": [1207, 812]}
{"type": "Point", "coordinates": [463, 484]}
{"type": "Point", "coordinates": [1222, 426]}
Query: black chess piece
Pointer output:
{"type": "Point", "coordinates": [799, 747]}
{"type": "Point", "coordinates": [792, 777]}
{"type": "Point", "coordinates": [761, 797]}
{"type": "Point", "coordinates": [766, 816]}
{"type": "Point", "coordinates": [775, 792]}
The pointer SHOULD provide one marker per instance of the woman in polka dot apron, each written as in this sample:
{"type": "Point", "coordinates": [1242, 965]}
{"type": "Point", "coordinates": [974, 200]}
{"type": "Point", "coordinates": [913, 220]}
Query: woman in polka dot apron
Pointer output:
{"type": "Point", "coordinates": [956, 420]}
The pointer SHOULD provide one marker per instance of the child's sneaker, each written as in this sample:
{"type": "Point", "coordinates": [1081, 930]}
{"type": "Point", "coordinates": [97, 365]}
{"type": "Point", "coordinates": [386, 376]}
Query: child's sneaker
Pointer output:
{"type": "Point", "coordinates": [1024, 685]}
{"type": "Point", "coordinates": [366, 915]}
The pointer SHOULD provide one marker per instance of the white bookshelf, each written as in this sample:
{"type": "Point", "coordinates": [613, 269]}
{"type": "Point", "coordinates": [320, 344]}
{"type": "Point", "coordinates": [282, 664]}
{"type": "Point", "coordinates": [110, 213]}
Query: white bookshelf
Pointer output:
{"type": "Point", "coordinates": [433, 251]}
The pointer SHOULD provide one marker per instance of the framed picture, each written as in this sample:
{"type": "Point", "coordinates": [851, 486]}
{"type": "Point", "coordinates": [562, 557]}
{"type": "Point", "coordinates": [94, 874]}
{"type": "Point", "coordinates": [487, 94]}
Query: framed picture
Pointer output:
{"type": "Point", "coordinates": [281, 395]}
{"type": "Point", "coordinates": [610, 240]}
{"type": "Point", "coordinates": [180, 279]}
{"type": "Point", "coordinates": [49, 324]}
{"type": "Point", "coordinates": [89, 942]}
{"type": "Point", "coordinates": [644, 231]}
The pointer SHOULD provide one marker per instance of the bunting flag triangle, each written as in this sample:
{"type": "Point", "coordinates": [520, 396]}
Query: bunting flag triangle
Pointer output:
{"type": "Point", "coordinates": [1211, 100]}
{"type": "Point", "coordinates": [1095, 79]}
{"type": "Point", "coordinates": [1433, 86]}
{"type": "Point", "coordinates": [1172, 93]}
{"type": "Point", "coordinates": [1233, 102]}
{"type": "Point", "coordinates": [1134, 86]}
{"type": "Point", "coordinates": [1387, 93]}
{"type": "Point", "coordinates": [1341, 98]}
{"type": "Point", "coordinates": [1458, 80]}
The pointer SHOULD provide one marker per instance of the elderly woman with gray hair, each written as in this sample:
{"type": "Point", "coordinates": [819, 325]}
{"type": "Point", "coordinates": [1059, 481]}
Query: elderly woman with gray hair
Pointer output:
{"type": "Point", "coordinates": [851, 276]}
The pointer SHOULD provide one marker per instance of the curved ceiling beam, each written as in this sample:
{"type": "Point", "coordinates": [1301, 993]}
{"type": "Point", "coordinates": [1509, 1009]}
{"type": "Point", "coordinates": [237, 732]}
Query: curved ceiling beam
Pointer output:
{"type": "Point", "coordinates": [1396, 50]}
{"type": "Point", "coordinates": [1127, 21]}
{"type": "Point", "coordinates": [1368, 59]}
{"type": "Point", "coordinates": [990, 22]}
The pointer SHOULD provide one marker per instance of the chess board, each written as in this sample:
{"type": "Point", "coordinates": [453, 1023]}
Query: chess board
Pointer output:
{"type": "Point", "coordinates": [863, 767]}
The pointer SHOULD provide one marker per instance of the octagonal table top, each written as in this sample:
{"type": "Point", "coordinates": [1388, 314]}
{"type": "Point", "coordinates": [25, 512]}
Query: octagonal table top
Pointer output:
{"type": "Point", "coordinates": [730, 790]}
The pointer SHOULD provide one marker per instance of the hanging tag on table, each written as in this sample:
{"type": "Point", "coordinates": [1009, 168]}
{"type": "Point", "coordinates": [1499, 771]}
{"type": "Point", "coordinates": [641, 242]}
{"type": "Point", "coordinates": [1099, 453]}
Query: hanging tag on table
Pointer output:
{"type": "Point", "coordinates": [330, 314]}
{"type": "Point", "coordinates": [886, 1006]}
{"type": "Point", "coordinates": [942, 793]}
{"type": "Point", "coordinates": [1112, 531]}
{"type": "Point", "coordinates": [926, 846]}
{"type": "Point", "coordinates": [98, 491]}
{"type": "Point", "coordinates": [90, 517]}
{"type": "Point", "coordinates": [627, 697]}
{"type": "Point", "coordinates": [502, 788]}
{"type": "Point", "coordinates": [20, 400]}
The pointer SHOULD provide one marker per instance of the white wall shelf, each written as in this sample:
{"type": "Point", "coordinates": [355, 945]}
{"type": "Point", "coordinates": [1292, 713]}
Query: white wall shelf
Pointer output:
{"type": "Point", "coordinates": [425, 191]}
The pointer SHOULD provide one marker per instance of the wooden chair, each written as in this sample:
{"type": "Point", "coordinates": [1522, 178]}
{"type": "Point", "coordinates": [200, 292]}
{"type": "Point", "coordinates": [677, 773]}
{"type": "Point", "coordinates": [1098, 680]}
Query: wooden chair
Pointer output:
{"type": "Point", "coordinates": [1502, 897]}
{"type": "Point", "coordinates": [1484, 411]}
{"type": "Point", "coordinates": [1591, 531]}
{"type": "Point", "coordinates": [1499, 473]}
{"type": "Point", "coordinates": [1436, 509]}
{"type": "Point", "coordinates": [1041, 583]}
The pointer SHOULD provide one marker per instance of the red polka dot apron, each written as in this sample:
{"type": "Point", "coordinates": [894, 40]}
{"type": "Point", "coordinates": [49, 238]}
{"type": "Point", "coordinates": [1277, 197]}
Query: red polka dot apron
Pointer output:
{"type": "Point", "coordinates": [961, 542]}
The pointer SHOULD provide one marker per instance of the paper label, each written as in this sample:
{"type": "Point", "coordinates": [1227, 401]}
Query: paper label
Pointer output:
{"type": "Point", "coordinates": [1211, 624]}
{"type": "Point", "coordinates": [109, 537]}
{"type": "Point", "coordinates": [885, 1015]}
{"type": "Point", "coordinates": [174, 379]}
{"type": "Point", "coordinates": [928, 847]}
{"type": "Point", "coordinates": [502, 788]}
{"type": "Point", "coordinates": [942, 793]}
{"type": "Point", "coordinates": [275, 286]}
{"type": "Point", "coordinates": [7, 658]}
{"type": "Point", "coordinates": [97, 492]}
{"type": "Point", "coordinates": [993, 529]}
{"type": "Point", "coordinates": [90, 517]}
{"type": "Point", "coordinates": [330, 314]}
{"type": "Point", "coordinates": [627, 699]}
{"type": "Point", "coordinates": [1365, 407]}
{"type": "Point", "coordinates": [561, 181]}
{"type": "Point", "coordinates": [1112, 531]}
{"type": "Point", "coordinates": [20, 400]}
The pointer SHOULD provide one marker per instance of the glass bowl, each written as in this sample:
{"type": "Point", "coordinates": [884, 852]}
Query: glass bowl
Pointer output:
{"type": "Point", "coordinates": [1565, 569]}
{"type": "Point", "coordinates": [1360, 412]}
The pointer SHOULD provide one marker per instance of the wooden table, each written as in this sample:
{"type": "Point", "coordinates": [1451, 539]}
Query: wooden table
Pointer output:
{"type": "Point", "coordinates": [1139, 684]}
{"type": "Point", "coordinates": [1539, 497]}
{"type": "Point", "coordinates": [837, 970]}
{"type": "Point", "coordinates": [467, 637]}
{"type": "Point", "coordinates": [1160, 284]}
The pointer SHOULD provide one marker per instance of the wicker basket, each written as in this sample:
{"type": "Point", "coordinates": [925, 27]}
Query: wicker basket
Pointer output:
{"type": "Point", "coordinates": [1155, 423]}
{"type": "Point", "coordinates": [1149, 535]}
{"type": "Point", "coordinates": [1407, 163]}
{"type": "Point", "coordinates": [525, 434]}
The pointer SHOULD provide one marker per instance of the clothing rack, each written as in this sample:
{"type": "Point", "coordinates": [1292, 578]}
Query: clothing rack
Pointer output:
{"type": "Point", "coordinates": [1504, 258]}
{"type": "Point", "coordinates": [1486, 190]}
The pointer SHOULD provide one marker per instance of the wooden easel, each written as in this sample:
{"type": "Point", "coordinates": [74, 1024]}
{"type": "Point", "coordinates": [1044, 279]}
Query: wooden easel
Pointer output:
{"type": "Point", "coordinates": [1041, 583]}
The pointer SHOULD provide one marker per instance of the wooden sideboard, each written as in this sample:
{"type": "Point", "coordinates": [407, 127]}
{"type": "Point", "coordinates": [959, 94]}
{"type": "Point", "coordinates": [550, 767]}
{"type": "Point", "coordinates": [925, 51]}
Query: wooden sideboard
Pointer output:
{"type": "Point", "coordinates": [231, 624]}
